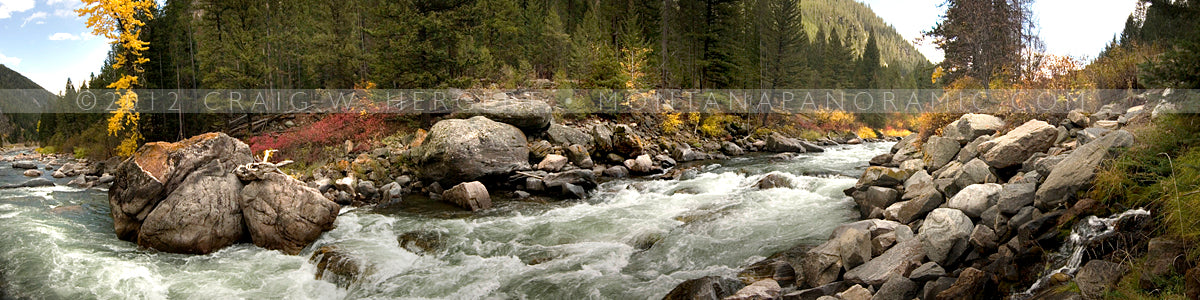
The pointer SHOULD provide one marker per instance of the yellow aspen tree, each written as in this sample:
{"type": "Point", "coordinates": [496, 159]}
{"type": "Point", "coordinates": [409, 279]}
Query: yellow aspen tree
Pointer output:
{"type": "Point", "coordinates": [121, 22]}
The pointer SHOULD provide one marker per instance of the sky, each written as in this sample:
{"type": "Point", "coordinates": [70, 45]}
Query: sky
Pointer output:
{"type": "Point", "coordinates": [47, 42]}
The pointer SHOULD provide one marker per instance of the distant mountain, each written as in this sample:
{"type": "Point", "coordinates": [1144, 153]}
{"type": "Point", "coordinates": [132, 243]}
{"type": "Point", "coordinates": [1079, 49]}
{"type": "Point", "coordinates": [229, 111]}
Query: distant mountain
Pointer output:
{"type": "Point", "coordinates": [855, 18]}
{"type": "Point", "coordinates": [19, 98]}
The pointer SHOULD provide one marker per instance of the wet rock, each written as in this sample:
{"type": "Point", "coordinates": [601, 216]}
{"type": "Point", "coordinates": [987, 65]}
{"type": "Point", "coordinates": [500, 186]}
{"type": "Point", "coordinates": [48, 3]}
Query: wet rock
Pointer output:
{"type": "Point", "coordinates": [942, 230]}
{"type": "Point", "coordinates": [616, 172]}
{"type": "Point", "coordinates": [1077, 171]}
{"type": "Point", "coordinates": [975, 198]}
{"type": "Point", "coordinates": [585, 179]}
{"type": "Point", "coordinates": [641, 165]}
{"type": "Point", "coordinates": [774, 180]}
{"type": "Point", "coordinates": [1017, 145]}
{"type": "Point", "coordinates": [32, 173]}
{"type": "Point", "coordinates": [79, 182]}
{"type": "Point", "coordinates": [366, 191]}
{"type": "Point", "coordinates": [36, 182]}
{"type": "Point", "coordinates": [470, 195]}
{"type": "Point", "coordinates": [528, 115]}
{"type": "Point", "coordinates": [897, 261]}
{"type": "Point", "coordinates": [760, 290]}
{"type": "Point", "coordinates": [552, 163]}
{"type": "Point", "coordinates": [25, 165]}
{"type": "Point", "coordinates": [467, 150]}
{"type": "Point", "coordinates": [731, 149]}
{"type": "Point", "coordinates": [58, 174]}
{"type": "Point", "coordinates": [203, 215]}
{"type": "Point", "coordinates": [281, 213]}
{"type": "Point", "coordinates": [1014, 196]}
{"type": "Point", "coordinates": [971, 126]}
{"type": "Point", "coordinates": [565, 136]}
{"type": "Point", "coordinates": [704, 288]}
{"type": "Point", "coordinates": [926, 272]}
{"type": "Point", "coordinates": [939, 151]}
{"type": "Point", "coordinates": [971, 284]}
{"type": "Point", "coordinates": [337, 266]}
{"type": "Point", "coordinates": [1097, 276]}
{"type": "Point", "coordinates": [778, 143]}
{"type": "Point", "coordinates": [897, 288]}
{"type": "Point", "coordinates": [422, 241]}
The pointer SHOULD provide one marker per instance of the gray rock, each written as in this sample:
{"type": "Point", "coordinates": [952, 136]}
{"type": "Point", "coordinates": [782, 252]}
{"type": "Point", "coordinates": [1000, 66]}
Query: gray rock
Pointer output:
{"type": "Point", "coordinates": [881, 176]}
{"type": "Point", "coordinates": [939, 151]}
{"type": "Point", "coordinates": [854, 247]}
{"type": "Point", "coordinates": [897, 261]}
{"type": "Point", "coordinates": [578, 155]}
{"type": "Point", "coordinates": [1017, 145]}
{"type": "Point", "coordinates": [759, 290]}
{"type": "Point", "coordinates": [1097, 276]}
{"type": "Point", "coordinates": [1077, 171]}
{"type": "Point", "coordinates": [906, 149]}
{"type": "Point", "coordinates": [1079, 118]}
{"type": "Point", "coordinates": [528, 115]}
{"type": "Point", "coordinates": [971, 126]}
{"type": "Point", "coordinates": [920, 183]}
{"type": "Point", "coordinates": [912, 165]}
{"type": "Point", "coordinates": [59, 174]}
{"type": "Point", "coordinates": [35, 182]}
{"type": "Point", "coordinates": [641, 165]}
{"type": "Point", "coordinates": [704, 288]}
{"type": "Point", "coordinates": [932, 288]}
{"type": "Point", "coordinates": [774, 180]}
{"type": "Point", "coordinates": [584, 179]}
{"type": "Point", "coordinates": [203, 215]}
{"type": "Point", "coordinates": [778, 143]}
{"type": "Point", "coordinates": [616, 172]}
{"type": "Point", "coordinates": [25, 165]}
{"type": "Point", "coordinates": [534, 184]}
{"type": "Point", "coordinates": [876, 197]}
{"type": "Point", "coordinates": [731, 149]}
{"type": "Point", "coordinates": [602, 134]}
{"type": "Point", "coordinates": [926, 272]}
{"type": "Point", "coordinates": [983, 238]}
{"type": "Point", "coordinates": [897, 288]}
{"type": "Point", "coordinates": [827, 290]}
{"type": "Point", "coordinates": [975, 198]}
{"type": "Point", "coordinates": [79, 182]}
{"type": "Point", "coordinates": [281, 213]}
{"type": "Point", "coordinates": [1014, 196]}
{"type": "Point", "coordinates": [470, 195]}
{"type": "Point", "coordinates": [1026, 214]}
{"type": "Point", "coordinates": [971, 150]}
{"type": "Point", "coordinates": [565, 136]}
{"type": "Point", "coordinates": [684, 152]}
{"type": "Point", "coordinates": [880, 160]}
{"type": "Point", "coordinates": [1091, 134]}
{"type": "Point", "coordinates": [391, 192]}
{"type": "Point", "coordinates": [32, 173]}
{"type": "Point", "coordinates": [973, 172]}
{"type": "Point", "coordinates": [366, 190]}
{"type": "Point", "coordinates": [942, 229]}
{"type": "Point", "coordinates": [467, 150]}
{"type": "Point", "coordinates": [918, 207]}
{"type": "Point", "coordinates": [665, 161]}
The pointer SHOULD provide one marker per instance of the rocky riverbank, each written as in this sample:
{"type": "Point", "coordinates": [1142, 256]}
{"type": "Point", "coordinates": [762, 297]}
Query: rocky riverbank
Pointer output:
{"type": "Point", "coordinates": [973, 213]}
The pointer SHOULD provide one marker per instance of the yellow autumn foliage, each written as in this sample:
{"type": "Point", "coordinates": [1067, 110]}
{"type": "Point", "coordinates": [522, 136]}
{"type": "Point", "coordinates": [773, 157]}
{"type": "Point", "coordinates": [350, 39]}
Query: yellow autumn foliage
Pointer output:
{"type": "Point", "coordinates": [866, 133]}
{"type": "Point", "coordinates": [121, 22]}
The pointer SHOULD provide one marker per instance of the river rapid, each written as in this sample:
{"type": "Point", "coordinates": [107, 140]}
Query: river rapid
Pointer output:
{"type": "Point", "coordinates": [633, 239]}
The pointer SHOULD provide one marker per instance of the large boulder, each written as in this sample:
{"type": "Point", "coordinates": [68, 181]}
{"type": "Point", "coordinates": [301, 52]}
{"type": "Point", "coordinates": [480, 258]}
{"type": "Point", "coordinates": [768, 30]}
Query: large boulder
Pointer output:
{"type": "Point", "coordinates": [704, 288]}
{"type": "Point", "coordinates": [897, 261]}
{"type": "Point", "coordinates": [282, 213]}
{"type": "Point", "coordinates": [36, 182]}
{"type": "Point", "coordinates": [467, 150]}
{"type": "Point", "coordinates": [875, 197]}
{"type": "Point", "coordinates": [470, 195]}
{"type": "Point", "coordinates": [1077, 171]}
{"type": "Point", "coordinates": [1097, 276]}
{"type": "Point", "coordinates": [201, 216]}
{"type": "Point", "coordinates": [565, 136]}
{"type": "Point", "coordinates": [776, 142]}
{"type": "Point", "coordinates": [975, 198]}
{"type": "Point", "coordinates": [911, 210]}
{"type": "Point", "coordinates": [971, 126]}
{"type": "Point", "coordinates": [759, 290]}
{"type": "Point", "coordinates": [1017, 145]}
{"type": "Point", "coordinates": [158, 169]}
{"type": "Point", "coordinates": [942, 229]}
{"type": "Point", "coordinates": [24, 165]}
{"type": "Point", "coordinates": [1014, 196]}
{"type": "Point", "coordinates": [881, 176]}
{"type": "Point", "coordinates": [528, 115]}
{"type": "Point", "coordinates": [972, 283]}
{"type": "Point", "coordinates": [939, 151]}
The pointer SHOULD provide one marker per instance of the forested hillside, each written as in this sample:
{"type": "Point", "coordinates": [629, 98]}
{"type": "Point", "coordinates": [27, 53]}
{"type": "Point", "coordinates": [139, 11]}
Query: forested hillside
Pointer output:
{"type": "Point", "coordinates": [857, 20]}
{"type": "Point", "coordinates": [16, 89]}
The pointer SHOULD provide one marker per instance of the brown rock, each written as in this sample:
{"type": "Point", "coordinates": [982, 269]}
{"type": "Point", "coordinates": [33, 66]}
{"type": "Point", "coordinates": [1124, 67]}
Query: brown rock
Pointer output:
{"type": "Point", "coordinates": [470, 195]}
{"type": "Point", "coordinates": [971, 284]}
{"type": "Point", "coordinates": [281, 213]}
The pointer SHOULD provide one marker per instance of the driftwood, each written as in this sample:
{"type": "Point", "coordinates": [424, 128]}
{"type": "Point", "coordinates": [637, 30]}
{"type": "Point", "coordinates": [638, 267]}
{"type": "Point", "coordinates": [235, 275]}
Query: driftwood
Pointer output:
{"type": "Point", "coordinates": [256, 170]}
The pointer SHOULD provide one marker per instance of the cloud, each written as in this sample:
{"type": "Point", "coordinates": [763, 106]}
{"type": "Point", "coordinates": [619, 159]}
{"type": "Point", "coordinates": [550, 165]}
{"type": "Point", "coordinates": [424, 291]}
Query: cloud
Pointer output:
{"type": "Point", "coordinates": [11, 61]}
{"type": "Point", "coordinates": [34, 16]}
{"type": "Point", "coordinates": [86, 35]}
{"type": "Point", "coordinates": [7, 7]}
{"type": "Point", "coordinates": [62, 36]}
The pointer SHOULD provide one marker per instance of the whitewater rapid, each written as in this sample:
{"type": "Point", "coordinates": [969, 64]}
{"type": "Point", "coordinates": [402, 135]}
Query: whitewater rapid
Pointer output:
{"type": "Point", "coordinates": [633, 239]}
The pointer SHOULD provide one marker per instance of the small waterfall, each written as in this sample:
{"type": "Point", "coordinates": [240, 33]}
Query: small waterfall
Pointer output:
{"type": "Point", "coordinates": [1070, 255]}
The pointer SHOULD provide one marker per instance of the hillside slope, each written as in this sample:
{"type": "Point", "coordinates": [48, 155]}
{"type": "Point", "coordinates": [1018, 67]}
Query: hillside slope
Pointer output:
{"type": "Point", "coordinates": [16, 92]}
{"type": "Point", "coordinates": [855, 19]}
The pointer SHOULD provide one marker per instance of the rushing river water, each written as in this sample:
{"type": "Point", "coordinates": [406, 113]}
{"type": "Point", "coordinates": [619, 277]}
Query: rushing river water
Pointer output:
{"type": "Point", "coordinates": [634, 239]}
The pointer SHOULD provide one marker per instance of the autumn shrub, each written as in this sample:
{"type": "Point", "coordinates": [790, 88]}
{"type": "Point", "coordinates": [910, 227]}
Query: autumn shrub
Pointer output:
{"type": "Point", "coordinates": [331, 130]}
{"type": "Point", "coordinates": [932, 123]}
{"type": "Point", "coordinates": [866, 133]}
{"type": "Point", "coordinates": [671, 123]}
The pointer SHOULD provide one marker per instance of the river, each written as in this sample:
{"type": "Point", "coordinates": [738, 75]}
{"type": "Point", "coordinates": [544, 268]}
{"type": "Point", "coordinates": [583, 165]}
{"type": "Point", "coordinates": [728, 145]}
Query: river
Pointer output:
{"type": "Point", "coordinates": [633, 239]}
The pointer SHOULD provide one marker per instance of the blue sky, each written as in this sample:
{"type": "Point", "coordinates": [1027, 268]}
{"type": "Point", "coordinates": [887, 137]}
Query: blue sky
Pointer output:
{"type": "Point", "coordinates": [47, 42]}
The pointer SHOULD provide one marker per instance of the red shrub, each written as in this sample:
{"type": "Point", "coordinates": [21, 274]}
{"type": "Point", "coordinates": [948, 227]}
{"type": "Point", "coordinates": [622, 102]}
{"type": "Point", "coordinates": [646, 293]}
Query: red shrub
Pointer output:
{"type": "Point", "coordinates": [333, 129]}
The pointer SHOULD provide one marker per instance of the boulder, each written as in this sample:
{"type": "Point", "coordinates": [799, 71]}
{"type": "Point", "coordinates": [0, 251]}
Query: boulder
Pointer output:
{"type": "Point", "coordinates": [942, 229]}
{"type": "Point", "coordinates": [897, 288]}
{"type": "Point", "coordinates": [579, 155]}
{"type": "Point", "coordinates": [201, 216]}
{"type": "Point", "coordinates": [774, 180]}
{"type": "Point", "coordinates": [939, 151]}
{"type": "Point", "coordinates": [1017, 145]}
{"type": "Point", "coordinates": [422, 242]}
{"type": "Point", "coordinates": [338, 266]}
{"type": "Point", "coordinates": [641, 165]}
{"type": "Point", "coordinates": [36, 182]}
{"type": "Point", "coordinates": [827, 290]}
{"type": "Point", "coordinates": [626, 141]}
{"type": "Point", "coordinates": [575, 183]}
{"type": "Point", "coordinates": [1097, 276]}
{"type": "Point", "coordinates": [684, 152]}
{"type": "Point", "coordinates": [528, 115]}
{"type": "Point", "coordinates": [1014, 196]}
{"type": "Point", "coordinates": [1110, 125]}
{"type": "Point", "coordinates": [470, 195]}
{"type": "Point", "coordinates": [602, 134]}
{"type": "Point", "coordinates": [24, 165]}
{"type": "Point", "coordinates": [281, 213]}
{"type": "Point", "coordinates": [760, 290]}
{"type": "Point", "coordinates": [855, 292]}
{"type": "Point", "coordinates": [665, 161]}
{"type": "Point", "coordinates": [968, 127]}
{"type": "Point", "coordinates": [704, 288]}
{"type": "Point", "coordinates": [853, 247]}
{"type": "Point", "coordinates": [920, 183]}
{"type": "Point", "coordinates": [876, 197]}
{"type": "Point", "coordinates": [975, 198]}
{"type": "Point", "coordinates": [971, 150]}
{"type": "Point", "coordinates": [897, 261]}
{"type": "Point", "coordinates": [59, 174]}
{"type": "Point", "coordinates": [157, 169]}
{"type": "Point", "coordinates": [973, 172]}
{"type": "Point", "coordinates": [972, 283]}
{"type": "Point", "coordinates": [778, 143]}
{"type": "Point", "coordinates": [562, 135]}
{"type": "Point", "coordinates": [983, 238]}
{"type": "Point", "coordinates": [1079, 118]}
{"type": "Point", "coordinates": [616, 172]}
{"type": "Point", "coordinates": [552, 163]}
{"type": "Point", "coordinates": [881, 176]}
{"type": "Point", "coordinates": [926, 272]}
{"type": "Point", "coordinates": [731, 149]}
{"type": "Point", "coordinates": [1090, 134]}
{"type": "Point", "coordinates": [911, 210]}
{"type": "Point", "coordinates": [1164, 257]}
{"type": "Point", "coordinates": [458, 150]}
{"type": "Point", "coordinates": [880, 160]}
{"type": "Point", "coordinates": [32, 173]}
{"type": "Point", "coordinates": [1077, 171]}
{"type": "Point", "coordinates": [907, 148]}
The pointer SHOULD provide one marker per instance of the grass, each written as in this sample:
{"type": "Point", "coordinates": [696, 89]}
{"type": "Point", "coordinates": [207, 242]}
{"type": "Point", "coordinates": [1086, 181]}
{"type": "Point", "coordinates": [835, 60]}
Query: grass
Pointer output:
{"type": "Point", "coordinates": [1161, 173]}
